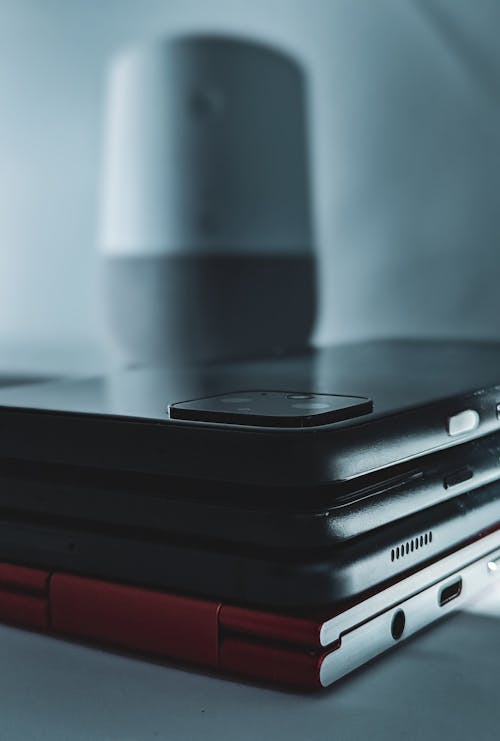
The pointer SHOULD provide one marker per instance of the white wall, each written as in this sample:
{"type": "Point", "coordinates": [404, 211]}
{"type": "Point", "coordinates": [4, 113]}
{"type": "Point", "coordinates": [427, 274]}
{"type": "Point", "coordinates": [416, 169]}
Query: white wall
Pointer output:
{"type": "Point", "coordinates": [406, 154]}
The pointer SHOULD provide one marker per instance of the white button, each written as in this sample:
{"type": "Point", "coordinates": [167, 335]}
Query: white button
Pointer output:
{"type": "Point", "coordinates": [463, 422]}
{"type": "Point", "coordinates": [493, 565]}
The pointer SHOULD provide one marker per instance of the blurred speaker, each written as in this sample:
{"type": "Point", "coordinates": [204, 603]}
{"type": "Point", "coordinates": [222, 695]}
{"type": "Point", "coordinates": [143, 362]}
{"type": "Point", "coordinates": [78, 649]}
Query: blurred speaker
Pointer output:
{"type": "Point", "coordinates": [206, 221]}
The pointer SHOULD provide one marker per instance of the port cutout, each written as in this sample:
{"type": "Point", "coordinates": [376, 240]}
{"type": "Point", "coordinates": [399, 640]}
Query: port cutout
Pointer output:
{"type": "Point", "coordinates": [398, 624]}
{"type": "Point", "coordinates": [458, 477]}
{"type": "Point", "coordinates": [450, 591]}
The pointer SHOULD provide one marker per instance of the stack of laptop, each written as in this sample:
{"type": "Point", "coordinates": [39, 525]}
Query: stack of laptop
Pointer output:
{"type": "Point", "coordinates": [284, 519]}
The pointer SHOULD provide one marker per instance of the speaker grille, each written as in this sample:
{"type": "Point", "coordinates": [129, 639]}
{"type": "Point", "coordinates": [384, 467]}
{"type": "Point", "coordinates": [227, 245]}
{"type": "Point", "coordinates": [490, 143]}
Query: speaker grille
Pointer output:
{"type": "Point", "coordinates": [415, 544]}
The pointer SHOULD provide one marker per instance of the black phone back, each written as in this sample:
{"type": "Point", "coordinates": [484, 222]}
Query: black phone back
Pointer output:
{"type": "Point", "coordinates": [279, 517]}
{"type": "Point", "coordinates": [336, 413]}
{"type": "Point", "coordinates": [291, 578]}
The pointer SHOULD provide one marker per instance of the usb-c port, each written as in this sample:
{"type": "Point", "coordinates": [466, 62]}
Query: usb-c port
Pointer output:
{"type": "Point", "coordinates": [450, 591]}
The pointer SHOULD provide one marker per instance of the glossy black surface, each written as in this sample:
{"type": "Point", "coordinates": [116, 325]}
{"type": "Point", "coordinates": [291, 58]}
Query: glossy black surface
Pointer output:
{"type": "Point", "coordinates": [121, 422]}
{"type": "Point", "coordinates": [285, 517]}
{"type": "Point", "coordinates": [262, 576]}
{"type": "Point", "coordinates": [397, 374]}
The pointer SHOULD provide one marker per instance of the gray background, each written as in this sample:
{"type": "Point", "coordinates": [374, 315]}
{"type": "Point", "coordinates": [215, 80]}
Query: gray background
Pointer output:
{"type": "Point", "coordinates": [406, 155]}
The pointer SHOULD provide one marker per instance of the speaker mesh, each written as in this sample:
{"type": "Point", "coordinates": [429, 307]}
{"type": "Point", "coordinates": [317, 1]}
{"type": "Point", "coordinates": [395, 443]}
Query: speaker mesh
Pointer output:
{"type": "Point", "coordinates": [415, 544]}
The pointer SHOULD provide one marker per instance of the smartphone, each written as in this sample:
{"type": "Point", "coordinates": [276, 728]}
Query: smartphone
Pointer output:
{"type": "Point", "coordinates": [251, 575]}
{"type": "Point", "coordinates": [326, 416]}
{"type": "Point", "coordinates": [306, 450]}
{"type": "Point", "coordinates": [273, 517]}
{"type": "Point", "coordinates": [307, 650]}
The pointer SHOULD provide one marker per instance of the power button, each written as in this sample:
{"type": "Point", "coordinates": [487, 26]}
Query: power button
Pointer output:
{"type": "Point", "coordinates": [463, 422]}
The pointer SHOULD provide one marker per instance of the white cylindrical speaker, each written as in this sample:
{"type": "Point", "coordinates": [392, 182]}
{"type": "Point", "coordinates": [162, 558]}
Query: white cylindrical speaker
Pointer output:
{"type": "Point", "coordinates": [206, 225]}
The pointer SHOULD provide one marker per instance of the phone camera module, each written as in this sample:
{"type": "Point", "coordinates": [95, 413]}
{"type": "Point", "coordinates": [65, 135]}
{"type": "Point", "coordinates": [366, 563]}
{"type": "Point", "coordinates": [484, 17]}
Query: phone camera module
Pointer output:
{"type": "Point", "coordinates": [272, 408]}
